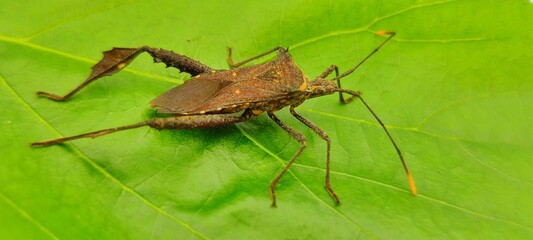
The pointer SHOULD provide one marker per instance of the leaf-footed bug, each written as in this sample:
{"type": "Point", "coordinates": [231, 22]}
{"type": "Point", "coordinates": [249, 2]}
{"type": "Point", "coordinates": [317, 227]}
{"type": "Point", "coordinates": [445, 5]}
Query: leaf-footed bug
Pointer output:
{"type": "Point", "coordinates": [221, 97]}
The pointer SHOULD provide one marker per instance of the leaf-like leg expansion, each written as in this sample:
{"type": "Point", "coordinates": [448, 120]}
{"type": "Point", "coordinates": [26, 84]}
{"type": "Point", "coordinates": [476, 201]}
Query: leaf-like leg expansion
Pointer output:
{"type": "Point", "coordinates": [235, 65]}
{"type": "Point", "coordinates": [300, 138]}
{"type": "Point", "coordinates": [176, 122]}
{"type": "Point", "coordinates": [324, 136]}
{"type": "Point", "coordinates": [116, 59]}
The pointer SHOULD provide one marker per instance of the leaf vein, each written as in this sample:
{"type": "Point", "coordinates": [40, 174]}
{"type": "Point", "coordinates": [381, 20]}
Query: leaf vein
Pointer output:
{"type": "Point", "coordinates": [80, 16]}
{"type": "Point", "coordinates": [419, 195]}
{"type": "Point", "coordinates": [368, 26]}
{"type": "Point", "coordinates": [424, 5]}
{"type": "Point", "coordinates": [491, 167]}
{"type": "Point", "coordinates": [26, 215]}
{"type": "Point", "coordinates": [412, 129]}
{"type": "Point", "coordinates": [103, 171]}
{"type": "Point", "coordinates": [283, 163]}
{"type": "Point", "coordinates": [82, 59]}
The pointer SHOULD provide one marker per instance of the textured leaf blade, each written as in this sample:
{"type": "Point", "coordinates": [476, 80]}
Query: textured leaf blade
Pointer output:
{"type": "Point", "coordinates": [454, 87]}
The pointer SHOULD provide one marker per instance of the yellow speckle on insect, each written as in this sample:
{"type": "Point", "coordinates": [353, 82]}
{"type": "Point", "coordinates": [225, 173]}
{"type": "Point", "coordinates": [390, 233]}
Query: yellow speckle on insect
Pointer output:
{"type": "Point", "coordinates": [234, 74]}
{"type": "Point", "coordinates": [201, 112]}
{"type": "Point", "coordinates": [213, 71]}
{"type": "Point", "coordinates": [121, 66]}
{"type": "Point", "coordinates": [303, 86]}
{"type": "Point", "coordinates": [218, 109]}
{"type": "Point", "coordinates": [257, 111]}
{"type": "Point", "coordinates": [237, 91]}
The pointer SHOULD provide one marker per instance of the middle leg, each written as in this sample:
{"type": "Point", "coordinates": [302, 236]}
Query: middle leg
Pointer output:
{"type": "Point", "coordinates": [324, 136]}
{"type": "Point", "coordinates": [326, 73]}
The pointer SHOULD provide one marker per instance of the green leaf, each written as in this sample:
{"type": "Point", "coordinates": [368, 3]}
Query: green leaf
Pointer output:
{"type": "Point", "coordinates": [454, 87]}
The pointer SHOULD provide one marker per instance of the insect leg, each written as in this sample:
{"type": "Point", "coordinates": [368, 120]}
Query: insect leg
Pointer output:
{"type": "Point", "coordinates": [300, 138]}
{"type": "Point", "coordinates": [326, 73]}
{"type": "Point", "coordinates": [235, 65]}
{"type": "Point", "coordinates": [199, 121]}
{"type": "Point", "coordinates": [181, 62]}
{"type": "Point", "coordinates": [329, 70]}
{"type": "Point", "coordinates": [177, 122]}
{"type": "Point", "coordinates": [324, 136]}
{"type": "Point", "coordinates": [116, 59]}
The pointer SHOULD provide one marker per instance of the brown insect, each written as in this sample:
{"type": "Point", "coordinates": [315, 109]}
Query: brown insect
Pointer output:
{"type": "Point", "coordinates": [222, 97]}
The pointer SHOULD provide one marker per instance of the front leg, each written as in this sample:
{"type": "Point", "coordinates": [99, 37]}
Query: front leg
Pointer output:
{"type": "Point", "coordinates": [301, 139]}
{"type": "Point", "coordinates": [326, 73]}
{"type": "Point", "coordinates": [116, 59]}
